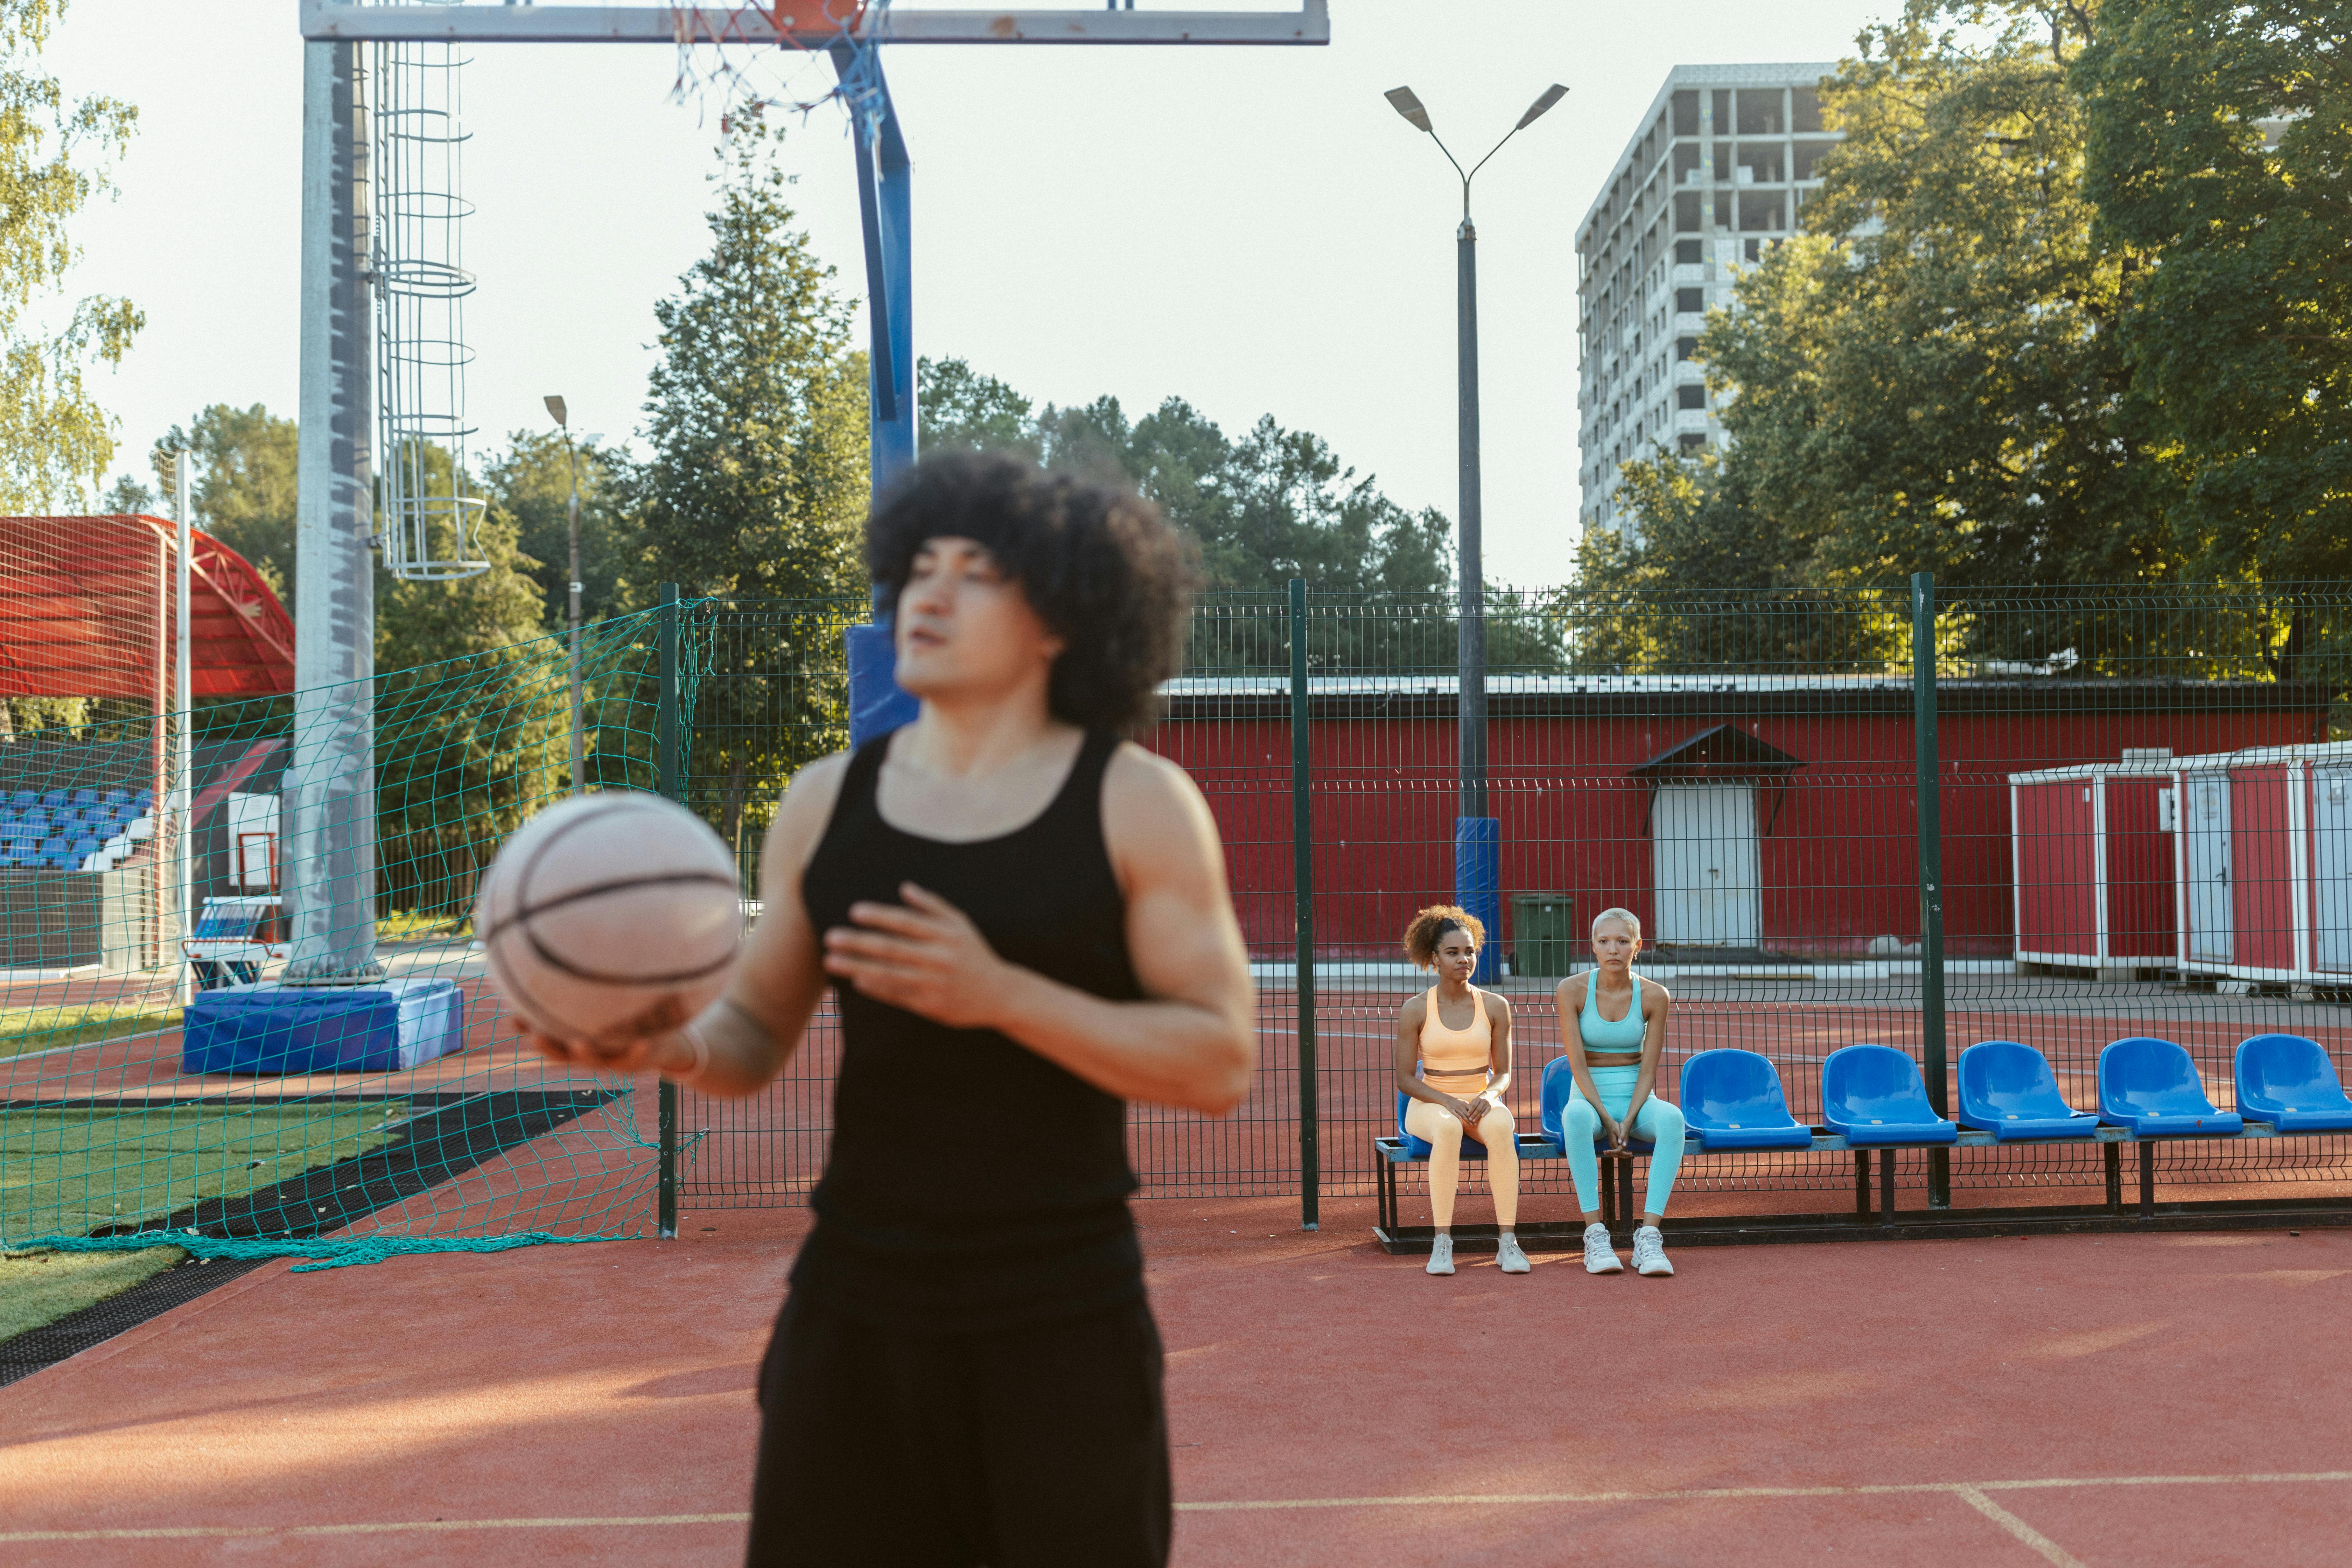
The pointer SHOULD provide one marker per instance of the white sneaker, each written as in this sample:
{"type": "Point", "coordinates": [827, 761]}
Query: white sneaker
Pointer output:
{"type": "Point", "coordinates": [1441, 1254]}
{"type": "Point", "coordinates": [1600, 1257]}
{"type": "Point", "coordinates": [1650, 1252]}
{"type": "Point", "coordinates": [1507, 1255]}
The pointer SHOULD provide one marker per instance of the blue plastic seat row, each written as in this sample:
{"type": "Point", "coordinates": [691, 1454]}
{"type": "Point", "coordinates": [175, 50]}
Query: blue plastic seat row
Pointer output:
{"type": "Point", "coordinates": [1874, 1096]}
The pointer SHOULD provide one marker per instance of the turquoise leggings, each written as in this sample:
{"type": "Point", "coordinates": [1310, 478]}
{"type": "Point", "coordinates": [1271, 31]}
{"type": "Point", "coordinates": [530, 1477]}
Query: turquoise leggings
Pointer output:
{"type": "Point", "coordinates": [1658, 1123]}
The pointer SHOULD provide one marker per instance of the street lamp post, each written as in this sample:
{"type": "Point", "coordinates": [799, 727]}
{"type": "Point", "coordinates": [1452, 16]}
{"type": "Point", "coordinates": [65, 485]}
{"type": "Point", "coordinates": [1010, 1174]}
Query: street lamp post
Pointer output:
{"type": "Point", "coordinates": [1477, 846]}
{"type": "Point", "coordinates": [570, 458]}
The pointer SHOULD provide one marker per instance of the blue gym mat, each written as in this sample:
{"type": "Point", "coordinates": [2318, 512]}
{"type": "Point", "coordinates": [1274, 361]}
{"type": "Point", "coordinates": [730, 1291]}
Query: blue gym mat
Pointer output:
{"type": "Point", "coordinates": [389, 1027]}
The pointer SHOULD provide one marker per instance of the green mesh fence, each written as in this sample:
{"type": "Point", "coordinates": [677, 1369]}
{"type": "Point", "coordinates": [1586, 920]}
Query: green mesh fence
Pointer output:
{"type": "Point", "coordinates": [159, 1077]}
{"type": "Point", "coordinates": [2144, 824]}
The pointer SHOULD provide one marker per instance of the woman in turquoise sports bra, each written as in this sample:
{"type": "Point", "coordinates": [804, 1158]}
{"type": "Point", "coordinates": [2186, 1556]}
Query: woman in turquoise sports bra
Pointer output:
{"type": "Point", "coordinates": [1615, 1061]}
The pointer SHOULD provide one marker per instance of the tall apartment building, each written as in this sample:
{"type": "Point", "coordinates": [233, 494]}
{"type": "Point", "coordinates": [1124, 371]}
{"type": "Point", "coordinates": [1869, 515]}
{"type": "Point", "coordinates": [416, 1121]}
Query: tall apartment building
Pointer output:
{"type": "Point", "coordinates": [1717, 169]}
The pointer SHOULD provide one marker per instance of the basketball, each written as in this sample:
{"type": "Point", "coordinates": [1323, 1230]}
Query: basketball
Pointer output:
{"type": "Point", "coordinates": [610, 917]}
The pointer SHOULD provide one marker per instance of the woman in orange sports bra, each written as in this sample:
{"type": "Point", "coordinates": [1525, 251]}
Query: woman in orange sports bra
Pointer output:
{"type": "Point", "coordinates": [1454, 1063]}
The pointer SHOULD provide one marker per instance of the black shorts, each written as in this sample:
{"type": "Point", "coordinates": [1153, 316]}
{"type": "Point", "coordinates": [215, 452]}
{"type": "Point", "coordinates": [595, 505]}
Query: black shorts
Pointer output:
{"type": "Point", "coordinates": [1027, 1449]}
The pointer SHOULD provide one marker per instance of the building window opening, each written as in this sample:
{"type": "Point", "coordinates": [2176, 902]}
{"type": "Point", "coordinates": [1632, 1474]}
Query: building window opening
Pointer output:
{"type": "Point", "coordinates": [1759, 112]}
{"type": "Point", "coordinates": [1760, 163]}
{"type": "Point", "coordinates": [1686, 111]}
{"type": "Point", "coordinates": [1763, 210]}
{"type": "Point", "coordinates": [1723, 176]}
{"type": "Point", "coordinates": [1686, 253]}
{"type": "Point", "coordinates": [1722, 107]}
{"type": "Point", "coordinates": [1804, 109]}
{"type": "Point", "coordinates": [1686, 347]}
{"type": "Point", "coordinates": [1690, 397]}
{"type": "Point", "coordinates": [1688, 300]}
{"type": "Point", "coordinates": [1688, 217]}
{"type": "Point", "coordinates": [1693, 442]}
{"type": "Point", "coordinates": [1686, 162]}
{"type": "Point", "coordinates": [1806, 156]}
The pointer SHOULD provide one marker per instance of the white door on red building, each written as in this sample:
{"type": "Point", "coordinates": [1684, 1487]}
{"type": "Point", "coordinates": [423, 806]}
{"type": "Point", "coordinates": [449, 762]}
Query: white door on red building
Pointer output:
{"type": "Point", "coordinates": [1709, 892]}
{"type": "Point", "coordinates": [2205, 868]}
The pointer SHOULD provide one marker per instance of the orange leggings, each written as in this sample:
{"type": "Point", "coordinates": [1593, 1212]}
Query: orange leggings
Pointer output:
{"type": "Point", "coordinates": [1442, 1131]}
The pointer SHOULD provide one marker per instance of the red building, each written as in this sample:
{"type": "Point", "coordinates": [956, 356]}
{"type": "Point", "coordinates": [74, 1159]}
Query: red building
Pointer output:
{"type": "Point", "coordinates": [1736, 813]}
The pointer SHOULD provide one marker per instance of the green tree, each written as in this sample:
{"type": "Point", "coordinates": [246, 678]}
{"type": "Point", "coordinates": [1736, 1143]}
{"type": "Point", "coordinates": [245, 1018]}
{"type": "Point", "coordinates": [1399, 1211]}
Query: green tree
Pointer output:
{"type": "Point", "coordinates": [1933, 377]}
{"type": "Point", "coordinates": [55, 153]}
{"type": "Point", "coordinates": [756, 416]}
{"type": "Point", "coordinates": [957, 409]}
{"type": "Point", "coordinates": [1272, 505]}
{"type": "Point", "coordinates": [241, 489]}
{"type": "Point", "coordinates": [2219, 142]}
{"type": "Point", "coordinates": [757, 485]}
{"type": "Point", "coordinates": [528, 487]}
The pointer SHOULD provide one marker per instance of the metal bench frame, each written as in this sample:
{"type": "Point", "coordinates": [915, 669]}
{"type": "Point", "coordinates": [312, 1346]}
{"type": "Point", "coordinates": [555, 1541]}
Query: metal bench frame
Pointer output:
{"type": "Point", "coordinates": [1882, 1221]}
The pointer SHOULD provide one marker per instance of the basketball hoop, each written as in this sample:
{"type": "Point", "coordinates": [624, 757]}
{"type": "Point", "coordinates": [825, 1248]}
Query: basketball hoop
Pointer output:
{"type": "Point", "coordinates": [751, 59]}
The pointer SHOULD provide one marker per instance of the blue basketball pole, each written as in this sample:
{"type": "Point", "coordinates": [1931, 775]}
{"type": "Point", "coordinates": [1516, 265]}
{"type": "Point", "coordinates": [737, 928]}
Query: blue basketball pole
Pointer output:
{"type": "Point", "coordinates": [886, 214]}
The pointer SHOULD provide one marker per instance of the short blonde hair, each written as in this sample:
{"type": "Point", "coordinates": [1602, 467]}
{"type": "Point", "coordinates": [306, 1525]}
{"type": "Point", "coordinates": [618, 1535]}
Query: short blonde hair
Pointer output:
{"type": "Point", "coordinates": [1633, 921]}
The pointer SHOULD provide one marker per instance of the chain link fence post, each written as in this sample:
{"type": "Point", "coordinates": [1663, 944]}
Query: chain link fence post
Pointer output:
{"type": "Point", "coordinates": [669, 779]}
{"type": "Point", "coordinates": [1931, 872]}
{"type": "Point", "coordinates": [1302, 860]}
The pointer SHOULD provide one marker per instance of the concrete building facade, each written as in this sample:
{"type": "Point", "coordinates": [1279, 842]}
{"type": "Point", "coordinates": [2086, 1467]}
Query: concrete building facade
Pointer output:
{"type": "Point", "coordinates": [1717, 169]}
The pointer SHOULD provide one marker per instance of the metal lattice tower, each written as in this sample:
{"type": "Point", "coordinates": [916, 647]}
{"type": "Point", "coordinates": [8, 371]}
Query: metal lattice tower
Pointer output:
{"type": "Point", "coordinates": [431, 521]}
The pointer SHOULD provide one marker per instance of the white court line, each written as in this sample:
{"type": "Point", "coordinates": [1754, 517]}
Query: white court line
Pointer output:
{"type": "Point", "coordinates": [1962, 1489]}
{"type": "Point", "coordinates": [2050, 1549]}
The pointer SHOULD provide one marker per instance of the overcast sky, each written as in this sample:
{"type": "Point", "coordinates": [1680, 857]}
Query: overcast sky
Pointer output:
{"type": "Point", "coordinates": [1254, 230]}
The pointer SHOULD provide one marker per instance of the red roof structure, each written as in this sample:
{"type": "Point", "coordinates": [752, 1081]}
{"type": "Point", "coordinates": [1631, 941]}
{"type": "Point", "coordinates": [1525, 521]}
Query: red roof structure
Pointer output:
{"type": "Point", "coordinates": [85, 606]}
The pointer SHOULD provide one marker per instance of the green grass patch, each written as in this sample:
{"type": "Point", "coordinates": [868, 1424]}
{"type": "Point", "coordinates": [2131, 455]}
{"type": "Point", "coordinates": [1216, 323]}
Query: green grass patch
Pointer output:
{"type": "Point", "coordinates": [24, 1029]}
{"type": "Point", "coordinates": [66, 1173]}
{"type": "Point", "coordinates": [37, 1288]}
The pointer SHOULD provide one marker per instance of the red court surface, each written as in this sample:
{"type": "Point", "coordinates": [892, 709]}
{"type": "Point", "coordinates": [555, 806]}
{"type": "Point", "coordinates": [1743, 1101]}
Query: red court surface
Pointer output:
{"type": "Point", "coordinates": [2095, 1400]}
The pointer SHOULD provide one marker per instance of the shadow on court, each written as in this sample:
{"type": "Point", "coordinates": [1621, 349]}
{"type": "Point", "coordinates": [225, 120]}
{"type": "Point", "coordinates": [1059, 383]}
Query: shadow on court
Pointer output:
{"type": "Point", "coordinates": [2118, 1399]}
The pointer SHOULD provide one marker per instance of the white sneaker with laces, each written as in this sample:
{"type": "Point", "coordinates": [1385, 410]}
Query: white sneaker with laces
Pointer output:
{"type": "Point", "coordinates": [1507, 1255]}
{"type": "Point", "coordinates": [1650, 1252]}
{"type": "Point", "coordinates": [1600, 1257]}
{"type": "Point", "coordinates": [1441, 1254]}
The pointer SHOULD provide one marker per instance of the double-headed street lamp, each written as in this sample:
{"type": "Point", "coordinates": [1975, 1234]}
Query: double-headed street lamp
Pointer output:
{"type": "Point", "coordinates": [1476, 836]}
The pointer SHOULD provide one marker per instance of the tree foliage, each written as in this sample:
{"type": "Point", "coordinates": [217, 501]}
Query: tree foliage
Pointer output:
{"type": "Point", "coordinates": [528, 487]}
{"type": "Point", "coordinates": [756, 416]}
{"type": "Point", "coordinates": [2220, 156]}
{"type": "Point", "coordinates": [2070, 307]}
{"type": "Point", "coordinates": [54, 156]}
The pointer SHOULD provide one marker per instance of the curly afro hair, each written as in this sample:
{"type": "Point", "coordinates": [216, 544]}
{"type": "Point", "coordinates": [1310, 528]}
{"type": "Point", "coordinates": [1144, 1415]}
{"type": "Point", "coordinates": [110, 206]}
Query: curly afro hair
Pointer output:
{"type": "Point", "coordinates": [1429, 928]}
{"type": "Point", "coordinates": [1103, 569]}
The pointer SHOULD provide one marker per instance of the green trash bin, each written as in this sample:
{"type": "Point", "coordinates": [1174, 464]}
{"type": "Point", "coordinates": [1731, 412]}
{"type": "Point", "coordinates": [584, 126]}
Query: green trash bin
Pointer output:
{"type": "Point", "coordinates": [1543, 932]}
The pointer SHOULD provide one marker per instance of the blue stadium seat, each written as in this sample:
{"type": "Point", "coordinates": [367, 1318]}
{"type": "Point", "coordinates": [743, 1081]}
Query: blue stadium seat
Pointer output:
{"type": "Point", "coordinates": [1733, 1099]}
{"type": "Point", "coordinates": [24, 798]}
{"type": "Point", "coordinates": [84, 797]}
{"type": "Point", "coordinates": [1558, 1084]}
{"type": "Point", "coordinates": [116, 797]}
{"type": "Point", "coordinates": [143, 799]}
{"type": "Point", "coordinates": [53, 797]}
{"type": "Point", "coordinates": [2008, 1089]}
{"type": "Point", "coordinates": [2288, 1081]}
{"type": "Point", "coordinates": [1875, 1096]}
{"type": "Point", "coordinates": [2151, 1086]}
{"type": "Point", "coordinates": [53, 846]}
{"type": "Point", "coordinates": [1418, 1148]}
{"type": "Point", "coordinates": [84, 845]}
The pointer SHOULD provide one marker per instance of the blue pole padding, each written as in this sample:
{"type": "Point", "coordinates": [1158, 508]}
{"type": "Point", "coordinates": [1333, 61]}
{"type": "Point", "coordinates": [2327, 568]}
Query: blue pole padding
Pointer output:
{"type": "Point", "coordinates": [876, 703]}
{"type": "Point", "coordinates": [1477, 876]}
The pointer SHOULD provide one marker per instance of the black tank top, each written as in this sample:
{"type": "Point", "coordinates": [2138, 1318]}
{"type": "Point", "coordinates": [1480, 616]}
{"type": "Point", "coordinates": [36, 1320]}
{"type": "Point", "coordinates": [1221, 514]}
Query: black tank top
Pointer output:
{"type": "Point", "coordinates": [973, 1185]}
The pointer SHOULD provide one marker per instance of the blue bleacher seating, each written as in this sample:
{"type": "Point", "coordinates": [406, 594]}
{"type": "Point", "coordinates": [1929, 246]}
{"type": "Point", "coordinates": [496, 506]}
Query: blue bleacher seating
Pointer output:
{"type": "Point", "coordinates": [2288, 1081]}
{"type": "Point", "coordinates": [1418, 1148]}
{"type": "Point", "coordinates": [84, 797]}
{"type": "Point", "coordinates": [2151, 1086]}
{"type": "Point", "coordinates": [53, 797]}
{"type": "Point", "coordinates": [1558, 1084]}
{"type": "Point", "coordinates": [116, 797]}
{"type": "Point", "coordinates": [1875, 1096]}
{"type": "Point", "coordinates": [2008, 1089]}
{"type": "Point", "coordinates": [24, 798]}
{"type": "Point", "coordinates": [1733, 1099]}
{"type": "Point", "coordinates": [143, 798]}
